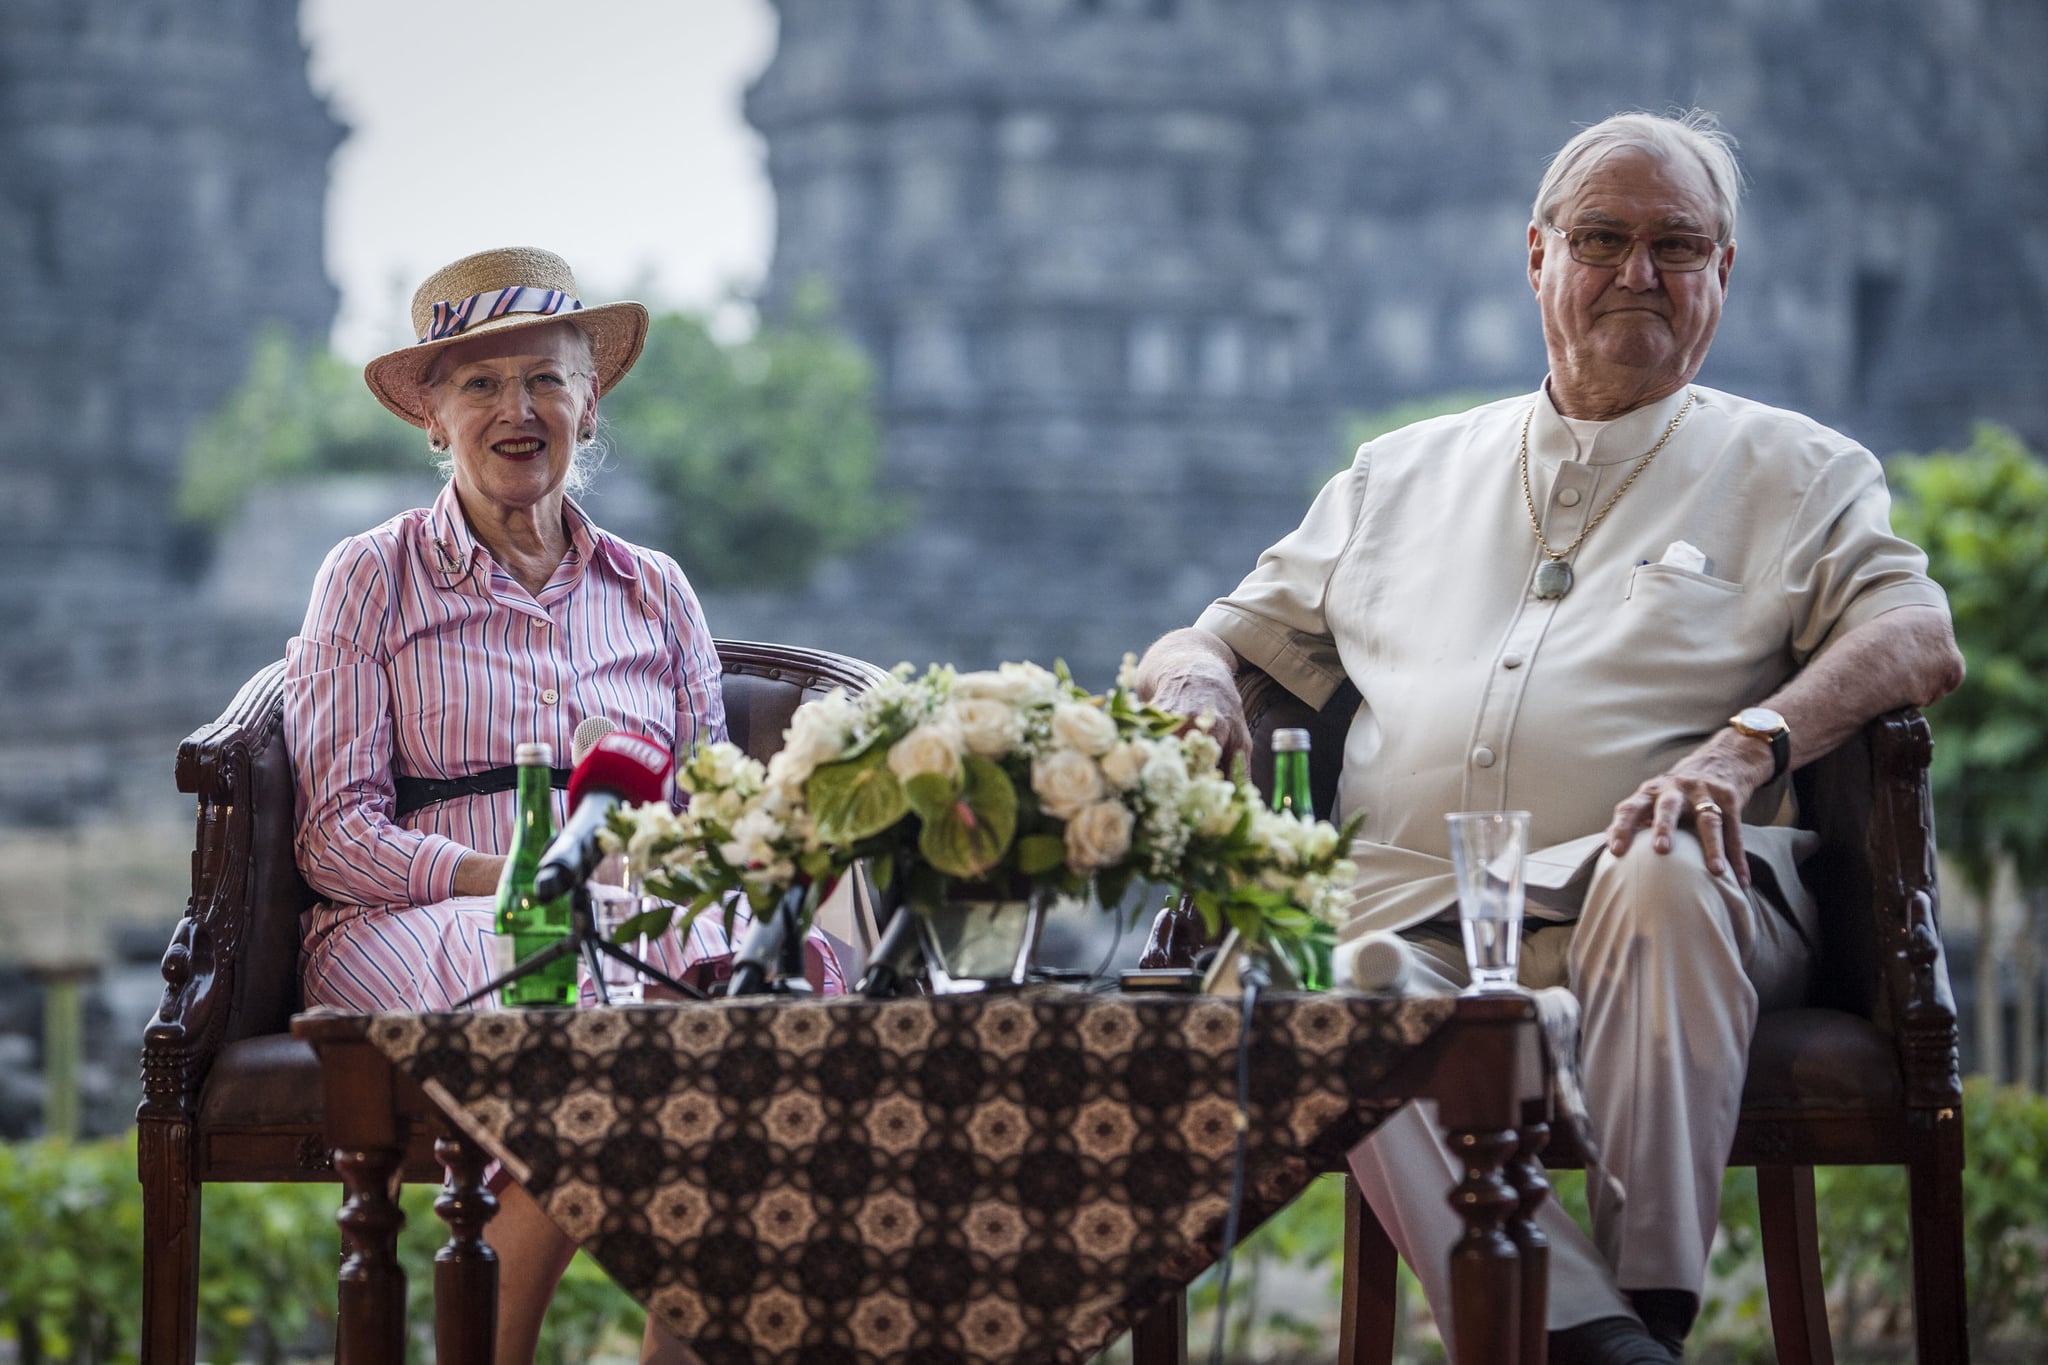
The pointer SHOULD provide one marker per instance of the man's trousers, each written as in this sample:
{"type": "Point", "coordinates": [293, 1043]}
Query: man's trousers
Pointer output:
{"type": "Point", "coordinates": [1671, 967]}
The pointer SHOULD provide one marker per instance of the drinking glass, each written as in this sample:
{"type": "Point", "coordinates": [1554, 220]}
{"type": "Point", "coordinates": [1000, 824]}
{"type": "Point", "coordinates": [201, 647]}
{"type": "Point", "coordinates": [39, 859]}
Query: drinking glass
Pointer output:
{"type": "Point", "coordinates": [1488, 849]}
{"type": "Point", "coordinates": [611, 905]}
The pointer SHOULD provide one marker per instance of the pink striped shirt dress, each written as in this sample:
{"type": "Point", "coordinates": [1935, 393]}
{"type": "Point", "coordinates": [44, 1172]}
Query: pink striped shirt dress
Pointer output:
{"type": "Point", "coordinates": [420, 656]}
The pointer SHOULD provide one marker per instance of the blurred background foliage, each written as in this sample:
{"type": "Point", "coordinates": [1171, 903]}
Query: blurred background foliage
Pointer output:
{"type": "Point", "coordinates": [762, 453]}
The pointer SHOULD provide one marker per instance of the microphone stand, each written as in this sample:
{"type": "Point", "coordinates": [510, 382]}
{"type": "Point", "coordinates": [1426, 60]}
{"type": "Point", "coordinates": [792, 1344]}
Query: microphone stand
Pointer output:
{"type": "Point", "coordinates": [777, 939]}
{"type": "Point", "coordinates": [584, 940]}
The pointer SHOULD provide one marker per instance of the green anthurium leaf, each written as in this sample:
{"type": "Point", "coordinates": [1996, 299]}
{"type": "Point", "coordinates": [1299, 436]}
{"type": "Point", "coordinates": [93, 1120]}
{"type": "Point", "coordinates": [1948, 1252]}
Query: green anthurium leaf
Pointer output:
{"type": "Point", "coordinates": [1038, 854]}
{"type": "Point", "coordinates": [971, 833]}
{"type": "Point", "coordinates": [930, 793]}
{"type": "Point", "coordinates": [855, 798]}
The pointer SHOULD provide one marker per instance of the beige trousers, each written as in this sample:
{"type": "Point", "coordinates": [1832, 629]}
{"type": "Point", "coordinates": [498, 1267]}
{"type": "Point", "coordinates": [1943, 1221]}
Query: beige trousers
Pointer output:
{"type": "Point", "coordinates": [1671, 967]}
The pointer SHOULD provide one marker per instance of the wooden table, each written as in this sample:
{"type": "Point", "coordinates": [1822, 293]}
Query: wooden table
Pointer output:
{"type": "Point", "coordinates": [1329, 1067]}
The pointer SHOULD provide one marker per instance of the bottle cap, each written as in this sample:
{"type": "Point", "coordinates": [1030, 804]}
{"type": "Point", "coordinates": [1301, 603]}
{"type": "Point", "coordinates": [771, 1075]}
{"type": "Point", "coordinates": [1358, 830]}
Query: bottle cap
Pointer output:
{"type": "Point", "coordinates": [1290, 741]}
{"type": "Point", "coordinates": [541, 754]}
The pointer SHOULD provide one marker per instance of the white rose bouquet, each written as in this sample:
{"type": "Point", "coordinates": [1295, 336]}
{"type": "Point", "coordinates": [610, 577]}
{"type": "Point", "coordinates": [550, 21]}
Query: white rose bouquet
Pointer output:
{"type": "Point", "coordinates": [1006, 776]}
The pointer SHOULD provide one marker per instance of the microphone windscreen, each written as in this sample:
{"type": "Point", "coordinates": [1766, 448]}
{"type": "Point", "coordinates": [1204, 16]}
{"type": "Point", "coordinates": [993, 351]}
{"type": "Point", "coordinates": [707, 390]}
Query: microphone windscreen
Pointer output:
{"type": "Point", "coordinates": [593, 729]}
{"type": "Point", "coordinates": [1376, 962]}
{"type": "Point", "coordinates": [631, 767]}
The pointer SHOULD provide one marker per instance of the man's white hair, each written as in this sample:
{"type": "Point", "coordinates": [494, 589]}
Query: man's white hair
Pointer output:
{"type": "Point", "coordinates": [1695, 133]}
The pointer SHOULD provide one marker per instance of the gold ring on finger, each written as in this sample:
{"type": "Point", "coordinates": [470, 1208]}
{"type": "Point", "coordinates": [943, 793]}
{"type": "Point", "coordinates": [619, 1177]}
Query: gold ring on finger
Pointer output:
{"type": "Point", "coordinates": [1712, 808]}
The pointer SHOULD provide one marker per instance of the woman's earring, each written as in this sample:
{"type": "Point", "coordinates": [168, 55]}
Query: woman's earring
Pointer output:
{"type": "Point", "coordinates": [436, 444]}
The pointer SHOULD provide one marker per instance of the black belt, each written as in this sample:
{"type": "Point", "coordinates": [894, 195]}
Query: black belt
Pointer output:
{"type": "Point", "coordinates": [415, 792]}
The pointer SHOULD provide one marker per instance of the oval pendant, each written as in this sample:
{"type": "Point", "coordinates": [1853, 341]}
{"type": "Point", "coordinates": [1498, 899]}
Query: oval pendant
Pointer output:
{"type": "Point", "coordinates": [1553, 579]}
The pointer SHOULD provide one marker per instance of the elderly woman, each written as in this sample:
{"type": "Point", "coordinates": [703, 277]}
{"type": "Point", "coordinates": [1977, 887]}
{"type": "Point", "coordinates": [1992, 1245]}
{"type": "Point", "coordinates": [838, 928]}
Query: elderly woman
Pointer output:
{"type": "Point", "coordinates": [437, 643]}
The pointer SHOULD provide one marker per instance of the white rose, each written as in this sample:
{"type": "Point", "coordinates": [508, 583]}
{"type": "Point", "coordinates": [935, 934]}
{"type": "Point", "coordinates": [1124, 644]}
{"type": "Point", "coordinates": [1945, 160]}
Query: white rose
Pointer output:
{"type": "Point", "coordinates": [933, 747]}
{"type": "Point", "coordinates": [1017, 684]}
{"type": "Point", "coordinates": [989, 685]}
{"type": "Point", "coordinates": [817, 732]}
{"type": "Point", "coordinates": [1098, 836]}
{"type": "Point", "coordinates": [1124, 764]}
{"type": "Point", "coordinates": [988, 727]}
{"type": "Point", "coordinates": [1065, 782]}
{"type": "Point", "coordinates": [1081, 726]}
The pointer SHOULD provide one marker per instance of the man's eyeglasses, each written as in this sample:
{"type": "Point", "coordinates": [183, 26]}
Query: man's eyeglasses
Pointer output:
{"type": "Point", "coordinates": [543, 387]}
{"type": "Point", "coordinates": [1606, 247]}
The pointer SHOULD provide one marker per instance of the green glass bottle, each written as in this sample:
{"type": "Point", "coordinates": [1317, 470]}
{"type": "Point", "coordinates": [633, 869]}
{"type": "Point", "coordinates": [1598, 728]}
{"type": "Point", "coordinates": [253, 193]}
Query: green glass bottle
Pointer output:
{"type": "Point", "coordinates": [525, 924]}
{"type": "Point", "coordinates": [1291, 796]}
{"type": "Point", "coordinates": [1290, 774]}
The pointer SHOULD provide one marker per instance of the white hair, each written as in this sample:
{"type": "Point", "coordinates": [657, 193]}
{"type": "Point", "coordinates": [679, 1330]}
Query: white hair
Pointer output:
{"type": "Point", "coordinates": [1695, 133]}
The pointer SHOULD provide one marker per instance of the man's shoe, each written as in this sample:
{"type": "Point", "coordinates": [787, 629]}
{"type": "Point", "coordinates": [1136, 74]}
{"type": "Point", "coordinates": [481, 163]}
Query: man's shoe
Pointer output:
{"type": "Point", "coordinates": [1667, 1315]}
{"type": "Point", "coordinates": [1607, 1341]}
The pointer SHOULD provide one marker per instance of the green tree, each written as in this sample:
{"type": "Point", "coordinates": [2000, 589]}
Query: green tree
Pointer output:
{"type": "Point", "coordinates": [299, 411]}
{"type": "Point", "coordinates": [765, 452]}
{"type": "Point", "coordinates": [1982, 516]}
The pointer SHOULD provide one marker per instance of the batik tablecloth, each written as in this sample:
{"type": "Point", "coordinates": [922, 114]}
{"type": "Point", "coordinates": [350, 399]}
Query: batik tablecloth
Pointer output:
{"type": "Point", "coordinates": [985, 1178]}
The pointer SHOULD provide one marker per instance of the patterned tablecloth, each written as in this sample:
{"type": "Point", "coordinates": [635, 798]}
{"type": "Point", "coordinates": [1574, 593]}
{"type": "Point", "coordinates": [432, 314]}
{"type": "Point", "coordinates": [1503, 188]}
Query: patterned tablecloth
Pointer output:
{"type": "Point", "coordinates": [1006, 1178]}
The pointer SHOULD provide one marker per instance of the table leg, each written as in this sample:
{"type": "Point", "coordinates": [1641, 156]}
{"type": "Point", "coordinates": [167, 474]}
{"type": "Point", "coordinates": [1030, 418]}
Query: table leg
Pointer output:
{"type": "Point", "coordinates": [1161, 1336]}
{"type": "Point", "coordinates": [371, 1326]}
{"type": "Point", "coordinates": [1532, 1187]}
{"type": "Point", "coordinates": [1485, 1269]}
{"type": "Point", "coordinates": [466, 1269]}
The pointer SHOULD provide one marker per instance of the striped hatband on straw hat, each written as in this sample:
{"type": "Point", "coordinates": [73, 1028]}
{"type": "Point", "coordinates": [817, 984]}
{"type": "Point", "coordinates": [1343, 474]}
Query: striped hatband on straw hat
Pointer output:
{"type": "Point", "coordinates": [500, 291]}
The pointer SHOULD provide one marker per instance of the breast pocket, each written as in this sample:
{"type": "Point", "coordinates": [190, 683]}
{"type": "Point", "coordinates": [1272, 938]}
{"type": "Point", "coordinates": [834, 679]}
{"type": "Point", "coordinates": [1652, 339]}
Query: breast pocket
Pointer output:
{"type": "Point", "coordinates": [1682, 636]}
{"type": "Point", "coordinates": [1668, 582]}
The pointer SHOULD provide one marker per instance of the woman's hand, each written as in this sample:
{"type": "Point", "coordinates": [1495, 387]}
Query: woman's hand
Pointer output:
{"type": "Point", "coordinates": [476, 874]}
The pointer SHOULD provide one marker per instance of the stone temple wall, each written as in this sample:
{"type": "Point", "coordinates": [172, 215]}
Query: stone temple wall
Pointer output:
{"type": "Point", "coordinates": [1124, 266]}
{"type": "Point", "coordinates": [163, 171]}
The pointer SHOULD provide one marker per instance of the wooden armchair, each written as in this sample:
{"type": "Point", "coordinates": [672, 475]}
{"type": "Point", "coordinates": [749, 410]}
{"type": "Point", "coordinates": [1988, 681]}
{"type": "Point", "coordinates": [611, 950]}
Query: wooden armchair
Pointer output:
{"type": "Point", "coordinates": [1865, 1075]}
{"type": "Point", "coordinates": [229, 1095]}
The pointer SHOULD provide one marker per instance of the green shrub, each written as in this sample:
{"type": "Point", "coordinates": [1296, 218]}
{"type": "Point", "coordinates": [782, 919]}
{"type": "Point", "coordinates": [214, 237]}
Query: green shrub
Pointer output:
{"type": "Point", "coordinates": [71, 1266]}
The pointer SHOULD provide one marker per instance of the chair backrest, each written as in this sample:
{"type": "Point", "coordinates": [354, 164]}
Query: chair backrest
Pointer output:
{"type": "Point", "coordinates": [247, 893]}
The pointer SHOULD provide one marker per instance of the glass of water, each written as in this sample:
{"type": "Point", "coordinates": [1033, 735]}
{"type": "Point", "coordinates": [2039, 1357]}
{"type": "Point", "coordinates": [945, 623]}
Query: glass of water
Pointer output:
{"type": "Point", "coordinates": [1488, 849]}
{"type": "Point", "coordinates": [611, 905]}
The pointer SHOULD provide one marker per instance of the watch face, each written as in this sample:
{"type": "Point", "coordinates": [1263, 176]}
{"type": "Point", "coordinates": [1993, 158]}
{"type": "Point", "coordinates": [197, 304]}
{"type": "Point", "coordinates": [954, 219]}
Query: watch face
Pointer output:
{"type": "Point", "coordinates": [1759, 720]}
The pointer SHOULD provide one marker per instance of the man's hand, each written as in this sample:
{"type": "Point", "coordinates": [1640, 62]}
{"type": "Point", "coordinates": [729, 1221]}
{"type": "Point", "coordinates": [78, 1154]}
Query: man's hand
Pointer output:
{"type": "Point", "coordinates": [1191, 672]}
{"type": "Point", "coordinates": [1903, 657]}
{"type": "Point", "coordinates": [1706, 789]}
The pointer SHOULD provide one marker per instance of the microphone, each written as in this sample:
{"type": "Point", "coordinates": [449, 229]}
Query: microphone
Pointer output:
{"type": "Point", "coordinates": [593, 729]}
{"type": "Point", "coordinates": [620, 768]}
{"type": "Point", "coordinates": [892, 955]}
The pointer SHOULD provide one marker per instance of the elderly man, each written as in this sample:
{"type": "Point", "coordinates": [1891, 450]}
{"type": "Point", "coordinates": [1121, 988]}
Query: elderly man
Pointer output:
{"type": "Point", "coordinates": [1629, 604]}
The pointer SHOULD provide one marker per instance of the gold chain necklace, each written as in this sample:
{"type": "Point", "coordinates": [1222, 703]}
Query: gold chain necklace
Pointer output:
{"type": "Point", "coordinates": [1553, 575]}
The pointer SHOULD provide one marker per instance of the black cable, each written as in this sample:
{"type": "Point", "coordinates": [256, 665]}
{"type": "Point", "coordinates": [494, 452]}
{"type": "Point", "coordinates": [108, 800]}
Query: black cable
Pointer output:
{"type": "Point", "coordinates": [1252, 975]}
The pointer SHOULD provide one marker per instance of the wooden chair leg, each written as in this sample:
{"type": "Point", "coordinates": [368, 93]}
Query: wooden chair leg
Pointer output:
{"type": "Point", "coordinates": [1791, 1237]}
{"type": "Point", "coordinates": [1161, 1336]}
{"type": "Point", "coordinates": [170, 1245]}
{"type": "Point", "coordinates": [1935, 1180]}
{"type": "Point", "coordinates": [1371, 1308]}
{"type": "Point", "coordinates": [466, 1269]}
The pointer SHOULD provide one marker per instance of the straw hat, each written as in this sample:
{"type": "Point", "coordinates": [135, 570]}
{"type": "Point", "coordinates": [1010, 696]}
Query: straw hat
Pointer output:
{"type": "Point", "coordinates": [500, 291]}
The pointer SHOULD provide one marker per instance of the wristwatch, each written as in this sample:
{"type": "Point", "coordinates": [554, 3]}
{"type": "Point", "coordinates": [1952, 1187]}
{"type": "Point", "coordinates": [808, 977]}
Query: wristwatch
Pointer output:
{"type": "Point", "coordinates": [1761, 722]}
